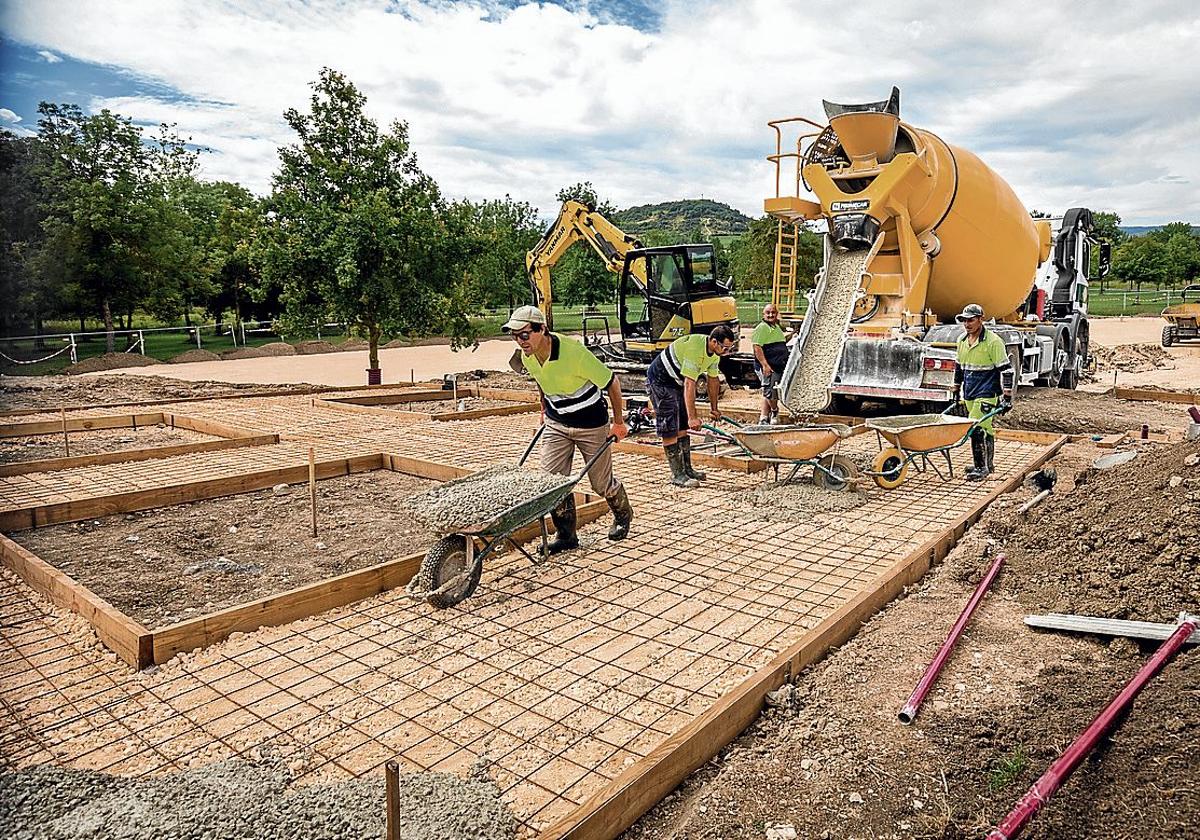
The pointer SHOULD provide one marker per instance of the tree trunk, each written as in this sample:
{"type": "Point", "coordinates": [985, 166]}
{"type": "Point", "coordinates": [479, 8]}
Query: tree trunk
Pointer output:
{"type": "Point", "coordinates": [106, 308]}
{"type": "Point", "coordinates": [373, 337]}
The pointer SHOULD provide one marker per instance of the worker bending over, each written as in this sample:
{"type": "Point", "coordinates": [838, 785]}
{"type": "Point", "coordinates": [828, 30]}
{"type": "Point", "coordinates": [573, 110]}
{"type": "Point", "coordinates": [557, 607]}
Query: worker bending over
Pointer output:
{"type": "Point", "coordinates": [574, 413]}
{"type": "Point", "coordinates": [770, 360]}
{"type": "Point", "coordinates": [671, 383]}
{"type": "Point", "coordinates": [983, 380]}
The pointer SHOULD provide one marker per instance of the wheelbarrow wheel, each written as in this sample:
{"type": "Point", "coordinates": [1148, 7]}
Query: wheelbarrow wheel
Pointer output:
{"type": "Point", "coordinates": [839, 473]}
{"type": "Point", "coordinates": [890, 468]}
{"type": "Point", "coordinates": [446, 560]}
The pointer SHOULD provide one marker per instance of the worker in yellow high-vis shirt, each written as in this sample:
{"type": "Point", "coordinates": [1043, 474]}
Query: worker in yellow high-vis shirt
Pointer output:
{"type": "Point", "coordinates": [983, 380]}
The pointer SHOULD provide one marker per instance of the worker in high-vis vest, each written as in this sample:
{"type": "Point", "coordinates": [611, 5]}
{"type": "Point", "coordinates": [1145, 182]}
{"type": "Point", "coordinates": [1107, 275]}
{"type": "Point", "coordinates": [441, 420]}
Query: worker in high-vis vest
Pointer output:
{"type": "Point", "coordinates": [671, 383]}
{"type": "Point", "coordinates": [983, 380]}
{"type": "Point", "coordinates": [573, 382]}
{"type": "Point", "coordinates": [769, 344]}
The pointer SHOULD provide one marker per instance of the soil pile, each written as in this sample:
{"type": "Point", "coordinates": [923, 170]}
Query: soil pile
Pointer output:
{"type": "Point", "coordinates": [355, 344]}
{"type": "Point", "coordinates": [1124, 545]}
{"type": "Point", "coordinates": [309, 348]}
{"type": "Point", "coordinates": [806, 389]}
{"type": "Point", "coordinates": [1079, 413]}
{"type": "Point", "coordinates": [244, 353]}
{"type": "Point", "coordinates": [1132, 358]}
{"type": "Point", "coordinates": [111, 361]}
{"type": "Point", "coordinates": [195, 356]}
{"type": "Point", "coordinates": [33, 392]}
{"type": "Point", "coordinates": [278, 348]}
{"type": "Point", "coordinates": [239, 799]}
{"type": "Point", "coordinates": [480, 497]}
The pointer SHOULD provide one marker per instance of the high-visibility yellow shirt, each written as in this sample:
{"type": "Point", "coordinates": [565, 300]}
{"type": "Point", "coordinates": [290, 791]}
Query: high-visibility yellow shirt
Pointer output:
{"type": "Point", "coordinates": [571, 380]}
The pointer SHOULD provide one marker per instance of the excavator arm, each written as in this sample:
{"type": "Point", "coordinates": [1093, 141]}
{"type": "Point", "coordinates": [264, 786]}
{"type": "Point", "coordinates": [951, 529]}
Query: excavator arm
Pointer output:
{"type": "Point", "coordinates": [577, 221]}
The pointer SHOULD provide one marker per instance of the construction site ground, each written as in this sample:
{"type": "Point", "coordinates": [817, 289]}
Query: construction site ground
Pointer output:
{"type": "Point", "coordinates": [555, 681]}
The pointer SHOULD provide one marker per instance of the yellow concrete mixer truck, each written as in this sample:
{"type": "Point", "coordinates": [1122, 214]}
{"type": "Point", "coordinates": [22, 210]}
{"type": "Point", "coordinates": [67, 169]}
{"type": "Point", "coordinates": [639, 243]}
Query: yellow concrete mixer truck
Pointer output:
{"type": "Point", "coordinates": [916, 229]}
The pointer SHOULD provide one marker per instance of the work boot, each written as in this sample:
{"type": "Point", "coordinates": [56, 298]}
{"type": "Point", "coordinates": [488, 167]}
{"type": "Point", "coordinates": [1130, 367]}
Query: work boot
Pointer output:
{"type": "Point", "coordinates": [979, 452]}
{"type": "Point", "coordinates": [686, 443]}
{"type": "Point", "coordinates": [764, 421]}
{"type": "Point", "coordinates": [679, 476]}
{"type": "Point", "coordinates": [622, 515]}
{"type": "Point", "coordinates": [563, 518]}
{"type": "Point", "coordinates": [989, 444]}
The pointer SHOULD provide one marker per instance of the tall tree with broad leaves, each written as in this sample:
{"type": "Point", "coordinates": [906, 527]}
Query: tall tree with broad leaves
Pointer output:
{"type": "Point", "coordinates": [357, 232]}
{"type": "Point", "coordinates": [505, 230]}
{"type": "Point", "coordinates": [581, 276]}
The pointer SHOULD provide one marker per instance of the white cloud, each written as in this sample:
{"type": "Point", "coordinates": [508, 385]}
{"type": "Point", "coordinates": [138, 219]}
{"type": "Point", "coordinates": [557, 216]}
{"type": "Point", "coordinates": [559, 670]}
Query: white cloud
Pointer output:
{"type": "Point", "coordinates": [50, 57]}
{"type": "Point", "coordinates": [9, 116]}
{"type": "Point", "coordinates": [1073, 104]}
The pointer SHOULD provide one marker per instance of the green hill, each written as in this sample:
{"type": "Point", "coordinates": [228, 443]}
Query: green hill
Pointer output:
{"type": "Point", "coordinates": [683, 218]}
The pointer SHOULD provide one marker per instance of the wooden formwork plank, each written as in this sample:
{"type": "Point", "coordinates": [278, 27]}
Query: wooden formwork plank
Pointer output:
{"type": "Point", "coordinates": [125, 637]}
{"type": "Point", "coordinates": [424, 468]}
{"type": "Point", "coordinates": [208, 427]}
{"type": "Point", "coordinates": [514, 394]}
{"type": "Point", "coordinates": [1152, 395]}
{"type": "Point", "coordinates": [476, 413]}
{"type": "Point", "coordinates": [127, 455]}
{"type": "Point", "coordinates": [82, 424]}
{"type": "Point", "coordinates": [617, 806]}
{"type": "Point", "coordinates": [433, 394]}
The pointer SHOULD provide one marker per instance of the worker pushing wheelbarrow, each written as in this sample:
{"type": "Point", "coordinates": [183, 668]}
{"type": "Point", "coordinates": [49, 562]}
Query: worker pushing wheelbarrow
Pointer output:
{"type": "Point", "coordinates": [914, 438]}
{"type": "Point", "coordinates": [797, 446]}
{"type": "Point", "coordinates": [452, 566]}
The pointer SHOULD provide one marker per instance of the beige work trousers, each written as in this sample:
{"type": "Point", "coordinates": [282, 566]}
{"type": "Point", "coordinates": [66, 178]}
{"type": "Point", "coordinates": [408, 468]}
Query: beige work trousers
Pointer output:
{"type": "Point", "coordinates": [558, 455]}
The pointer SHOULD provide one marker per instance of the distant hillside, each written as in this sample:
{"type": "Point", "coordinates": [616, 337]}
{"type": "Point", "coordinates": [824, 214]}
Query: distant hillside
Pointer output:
{"type": "Point", "coordinates": [1139, 230]}
{"type": "Point", "coordinates": [682, 218]}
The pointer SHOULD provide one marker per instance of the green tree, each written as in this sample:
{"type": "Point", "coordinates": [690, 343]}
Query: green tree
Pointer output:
{"type": "Point", "coordinates": [752, 256]}
{"type": "Point", "coordinates": [1183, 257]}
{"type": "Point", "coordinates": [26, 300]}
{"type": "Point", "coordinates": [1106, 227]}
{"type": "Point", "coordinates": [357, 232]}
{"type": "Point", "coordinates": [505, 230]}
{"type": "Point", "coordinates": [1141, 259]}
{"type": "Point", "coordinates": [109, 238]}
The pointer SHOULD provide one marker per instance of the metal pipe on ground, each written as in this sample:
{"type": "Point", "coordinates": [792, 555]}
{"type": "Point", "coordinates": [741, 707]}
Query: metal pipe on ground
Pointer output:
{"type": "Point", "coordinates": [909, 712]}
{"type": "Point", "coordinates": [1058, 772]}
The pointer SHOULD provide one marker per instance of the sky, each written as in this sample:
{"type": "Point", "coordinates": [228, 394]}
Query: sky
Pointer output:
{"type": "Point", "coordinates": [1075, 104]}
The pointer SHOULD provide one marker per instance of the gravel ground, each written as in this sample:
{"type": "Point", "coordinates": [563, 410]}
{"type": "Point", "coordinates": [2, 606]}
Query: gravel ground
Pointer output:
{"type": "Point", "coordinates": [479, 497]}
{"type": "Point", "coordinates": [15, 450]}
{"type": "Point", "coordinates": [238, 799]}
{"type": "Point", "coordinates": [33, 392]}
{"type": "Point", "coordinates": [807, 390]}
{"type": "Point", "coordinates": [795, 501]}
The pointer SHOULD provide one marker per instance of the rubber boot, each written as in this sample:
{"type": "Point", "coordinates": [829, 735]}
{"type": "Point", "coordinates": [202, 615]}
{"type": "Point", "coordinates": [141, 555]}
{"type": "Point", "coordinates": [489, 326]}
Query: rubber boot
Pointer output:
{"type": "Point", "coordinates": [563, 518]}
{"type": "Point", "coordinates": [679, 476]}
{"type": "Point", "coordinates": [979, 453]}
{"type": "Point", "coordinates": [989, 444]}
{"type": "Point", "coordinates": [622, 515]}
{"type": "Point", "coordinates": [685, 443]}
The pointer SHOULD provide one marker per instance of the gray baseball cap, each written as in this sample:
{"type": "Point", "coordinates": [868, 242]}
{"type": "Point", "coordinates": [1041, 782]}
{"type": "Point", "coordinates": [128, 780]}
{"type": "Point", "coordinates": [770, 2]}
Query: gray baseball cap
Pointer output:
{"type": "Point", "coordinates": [524, 315]}
{"type": "Point", "coordinates": [971, 310]}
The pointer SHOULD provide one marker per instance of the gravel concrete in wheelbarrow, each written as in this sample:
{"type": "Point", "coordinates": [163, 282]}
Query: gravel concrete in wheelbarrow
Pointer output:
{"type": "Point", "coordinates": [481, 497]}
{"type": "Point", "coordinates": [236, 799]}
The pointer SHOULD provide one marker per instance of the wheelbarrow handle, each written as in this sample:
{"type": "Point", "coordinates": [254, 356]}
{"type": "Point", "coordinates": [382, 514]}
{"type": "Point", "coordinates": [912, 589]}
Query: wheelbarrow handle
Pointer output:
{"type": "Point", "coordinates": [608, 441]}
{"type": "Point", "coordinates": [532, 443]}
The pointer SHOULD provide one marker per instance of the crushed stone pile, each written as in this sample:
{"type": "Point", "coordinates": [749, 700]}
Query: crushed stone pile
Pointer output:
{"type": "Point", "coordinates": [195, 356]}
{"type": "Point", "coordinates": [480, 497]}
{"type": "Point", "coordinates": [244, 353]}
{"type": "Point", "coordinates": [278, 348]}
{"type": "Point", "coordinates": [793, 501]}
{"type": "Point", "coordinates": [237, 799]}
{"type": "Point", "coordinates": [1125, 544]}
{"type": "Point", "coordinates": [806, 380]}
{"type": "Point", "coordinates": [111, 361]}
{"type": "Point", "coordinates": [309, 348]}
{"type": "Point", "coordinates": [1132, 358]}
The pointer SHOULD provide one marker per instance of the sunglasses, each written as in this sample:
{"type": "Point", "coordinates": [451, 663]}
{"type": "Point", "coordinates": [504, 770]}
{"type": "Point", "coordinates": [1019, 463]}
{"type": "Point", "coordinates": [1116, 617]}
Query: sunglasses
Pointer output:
{"type": "Point", "coordinates": [726, 349]}
{"type": "Point", "coordinates": [523, 335]}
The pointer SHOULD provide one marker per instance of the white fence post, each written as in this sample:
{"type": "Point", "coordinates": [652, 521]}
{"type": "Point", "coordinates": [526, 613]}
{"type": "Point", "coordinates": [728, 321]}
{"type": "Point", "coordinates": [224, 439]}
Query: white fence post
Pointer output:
{"type": "Point", "coordinates": [74, 352]}
{"type": "Point", "coordinates": [196, 329]}
{"type": "Point", "coordinates": [141, 343]}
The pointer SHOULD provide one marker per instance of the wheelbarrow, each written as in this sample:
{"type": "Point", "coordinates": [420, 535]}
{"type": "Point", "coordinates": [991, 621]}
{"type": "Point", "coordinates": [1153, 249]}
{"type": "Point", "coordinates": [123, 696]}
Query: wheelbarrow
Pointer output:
{"type": "Point", "coordinates": [914, 438]}
{"type": "Point", "coordinates": [452, 566]}
{"type": "Point", "coordinates": [797, 446]}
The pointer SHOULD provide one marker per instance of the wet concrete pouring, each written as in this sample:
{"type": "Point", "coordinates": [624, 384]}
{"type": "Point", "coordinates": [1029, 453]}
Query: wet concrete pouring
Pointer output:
{"type": "Point", "coordinates": [554, 679]}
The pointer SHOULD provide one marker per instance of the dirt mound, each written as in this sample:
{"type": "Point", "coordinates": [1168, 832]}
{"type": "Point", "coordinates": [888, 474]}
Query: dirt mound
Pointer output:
{"type": "Point", "coordinates": [1124, 545]}
{"type": "Point", "coordinates": [111, 361]}
{"type": "Point", "coordinates": [1080, 412]}
{"type": "Point", "coordinates": [355, 344]}
{"type": "Point", "coordinates": [310, 348]}
{"type": "Point", "coordinates": [278, 348]}
{"type": "Point", "coordinates": [244, 353]}
{"type": "Point", "coordinates": [195, 356]}
{"type": "Point", "coordinates": [1132, 358]}
{"type": "Point", "coordinates": [396, 342]}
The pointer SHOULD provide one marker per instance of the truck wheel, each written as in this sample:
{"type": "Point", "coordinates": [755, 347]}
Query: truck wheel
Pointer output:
{"type": "Point", "coordinates": [1062, 355]}
{"type": "Point", "coordinates": [1168, 336]}
{"type": "Point", "coordinates": [446, 560]}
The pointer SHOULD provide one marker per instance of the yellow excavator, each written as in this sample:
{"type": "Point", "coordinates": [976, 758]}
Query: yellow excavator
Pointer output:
{"type": "Point", "coordinates": [663, 293]}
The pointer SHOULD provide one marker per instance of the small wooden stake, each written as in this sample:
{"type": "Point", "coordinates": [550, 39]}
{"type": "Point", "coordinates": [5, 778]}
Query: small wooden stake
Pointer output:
{"type": "Point", "coordinates": [66, 437]}
{"type": "Point", "coordinates": [392, 774]}
{"type": "Point", "coordinates": [312, 486]}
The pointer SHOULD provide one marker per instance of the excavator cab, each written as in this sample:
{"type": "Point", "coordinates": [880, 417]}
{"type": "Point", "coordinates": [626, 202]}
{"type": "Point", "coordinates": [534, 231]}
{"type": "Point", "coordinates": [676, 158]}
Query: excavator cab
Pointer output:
{"type": "Point", "coordinates": [679, 285]}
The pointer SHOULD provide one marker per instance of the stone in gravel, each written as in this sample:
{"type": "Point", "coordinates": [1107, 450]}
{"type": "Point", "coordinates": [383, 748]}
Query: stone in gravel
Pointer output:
{"type": "Point", "coordinates": [281, 489]}
{"type": "Point", "coordinates": [480, 497]}
{"type": "Point", "coordinates": [806, 381]}
{"type": "Point", "coordinates": [240, 799]}
{"type": "Point", "coordinates": [855, 798]}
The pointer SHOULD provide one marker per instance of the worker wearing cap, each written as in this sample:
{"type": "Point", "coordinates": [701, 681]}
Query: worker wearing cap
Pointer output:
{"type": "Point", "coordinates": [571, 380]}
{"type": "Point", "coordinates": [671, 383]}
{"type": "Point", "coordinates": [983, 380]}
{"type": "Point", "coordinates": [770, 358]}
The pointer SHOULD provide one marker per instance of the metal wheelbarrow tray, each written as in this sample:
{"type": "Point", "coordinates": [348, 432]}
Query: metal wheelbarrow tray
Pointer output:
{"type": "Point", "coordinates": [452, 567]}
{"type": "Point", "coordinates": [797, 446]}
{"type": "Point", "coordinates": [913, 438]}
